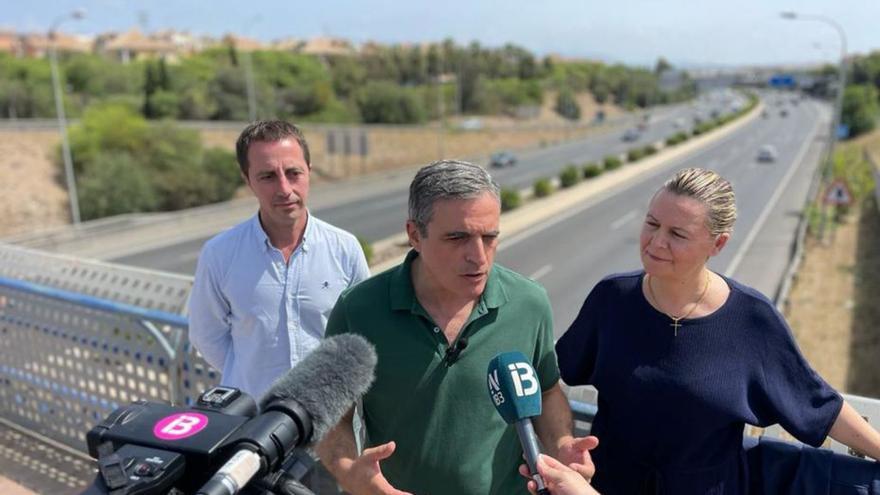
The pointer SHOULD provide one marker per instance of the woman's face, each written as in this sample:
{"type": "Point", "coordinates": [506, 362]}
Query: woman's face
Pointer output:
{"type": "Point", "coordinates": [675, 240]}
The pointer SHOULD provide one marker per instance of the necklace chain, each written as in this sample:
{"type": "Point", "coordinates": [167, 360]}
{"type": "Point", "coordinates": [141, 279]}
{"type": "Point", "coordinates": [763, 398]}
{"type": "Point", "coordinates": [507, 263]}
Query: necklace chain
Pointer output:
{"type": "Point", "coordinates": [677, 319]}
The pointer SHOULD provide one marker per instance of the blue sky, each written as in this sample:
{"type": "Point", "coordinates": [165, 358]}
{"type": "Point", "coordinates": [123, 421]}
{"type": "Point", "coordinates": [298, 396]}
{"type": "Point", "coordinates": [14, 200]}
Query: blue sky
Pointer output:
{"type": "Point", "coordinates": [692, 32]}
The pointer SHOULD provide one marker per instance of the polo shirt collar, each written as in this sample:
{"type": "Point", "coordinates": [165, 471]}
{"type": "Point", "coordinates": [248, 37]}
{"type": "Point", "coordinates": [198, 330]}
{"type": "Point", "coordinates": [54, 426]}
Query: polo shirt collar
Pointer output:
{"type": "Point", "coordinates": [403, 294]}
{"type": "Point", "coordinates": [262, 239]}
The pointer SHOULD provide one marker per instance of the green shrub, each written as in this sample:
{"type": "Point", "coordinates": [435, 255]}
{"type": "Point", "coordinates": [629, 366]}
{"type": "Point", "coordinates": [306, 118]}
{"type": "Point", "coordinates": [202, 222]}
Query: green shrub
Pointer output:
{"type": "Point", "coordinates": [367, 248]}
{"type": "Point", "coordinates": [510, 199]}
{"type": "Point", "coordinates": [569, 176]}
{"type": "Point", "coordinates": [567, 106]}
{"type": "Point", "coordinates": [612, 162]}
{"type": "Point", "coordinates": [543, 188]}
{"type": "Point", "coordinates": [635, 154]}
{"type": "Point", "coordinates": [592, 170]}
{"type": "Point", "coordinates": [113, 183]}
{"type": "Point", "coordinates": [649, 150]}
{"type": "Point", "coordinates": [387, 103]}
{"type": "Point", "coordinates": [678, 137]}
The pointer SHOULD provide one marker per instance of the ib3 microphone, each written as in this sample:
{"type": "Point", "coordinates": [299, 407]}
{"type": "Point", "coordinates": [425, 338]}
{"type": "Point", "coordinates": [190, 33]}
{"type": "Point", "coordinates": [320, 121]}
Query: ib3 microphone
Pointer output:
{"type": "Point", "coordinates": [516, 394]}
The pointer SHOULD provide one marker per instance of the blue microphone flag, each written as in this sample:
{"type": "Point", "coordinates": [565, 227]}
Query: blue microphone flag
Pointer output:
{"type": "Point", "coordinates": [514, 387]}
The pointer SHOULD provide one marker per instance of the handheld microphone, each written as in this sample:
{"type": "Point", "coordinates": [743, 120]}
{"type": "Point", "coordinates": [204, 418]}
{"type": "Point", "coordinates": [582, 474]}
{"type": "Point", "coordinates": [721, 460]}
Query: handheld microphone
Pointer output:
{"type": "Point", "coordinates": [516, 394]}
{"type": "Point", "coordinates": [452, 352]}
{"type": "Point", "coordinates": [298, 410]}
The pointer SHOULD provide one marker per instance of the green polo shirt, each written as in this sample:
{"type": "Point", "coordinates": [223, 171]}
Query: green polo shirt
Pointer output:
{"type": "Point", "coordinates": [450, 439]}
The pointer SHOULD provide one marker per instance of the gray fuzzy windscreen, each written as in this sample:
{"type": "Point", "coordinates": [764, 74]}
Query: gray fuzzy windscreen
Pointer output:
{"type": "Point", "coordinates": [327, 382]}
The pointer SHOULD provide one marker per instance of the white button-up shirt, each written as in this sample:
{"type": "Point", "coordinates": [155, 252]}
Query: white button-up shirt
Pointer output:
{"type": "Point", "coordinates": [252, 315]}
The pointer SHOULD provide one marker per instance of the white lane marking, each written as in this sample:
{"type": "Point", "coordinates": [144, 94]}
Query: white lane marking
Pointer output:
{"type": "Point", "coordinates": [617, 189]}
{"type": "Point", "coordinates": [544, 270]}
{"type": "Point", "coordinates": [737, 259]}
{"type": "Point", "coordinates": [620, 222]}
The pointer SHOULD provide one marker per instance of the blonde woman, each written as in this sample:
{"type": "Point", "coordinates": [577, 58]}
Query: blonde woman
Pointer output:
{"type": "Point", "coordinates": [683, 358]}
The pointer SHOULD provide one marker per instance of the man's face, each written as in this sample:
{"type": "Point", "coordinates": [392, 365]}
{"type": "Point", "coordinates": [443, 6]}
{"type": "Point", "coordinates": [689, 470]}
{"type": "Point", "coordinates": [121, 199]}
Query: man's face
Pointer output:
{"type": "Point", "coordinates": [279, 177]}
{"type": "Point", "coordinates": [457, 253]}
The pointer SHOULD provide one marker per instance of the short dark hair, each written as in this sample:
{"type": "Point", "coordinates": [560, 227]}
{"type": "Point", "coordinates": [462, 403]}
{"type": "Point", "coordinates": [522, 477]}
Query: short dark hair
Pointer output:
{"type": "Point", "coordinates": [268, 131]}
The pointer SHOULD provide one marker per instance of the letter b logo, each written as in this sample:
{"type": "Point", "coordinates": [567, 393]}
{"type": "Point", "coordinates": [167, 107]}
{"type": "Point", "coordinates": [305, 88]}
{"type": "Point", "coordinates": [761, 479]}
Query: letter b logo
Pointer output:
{"type": "Point", "coordinates": [180, 425]}
{"type": "Point", "coordinates": [524, 381]}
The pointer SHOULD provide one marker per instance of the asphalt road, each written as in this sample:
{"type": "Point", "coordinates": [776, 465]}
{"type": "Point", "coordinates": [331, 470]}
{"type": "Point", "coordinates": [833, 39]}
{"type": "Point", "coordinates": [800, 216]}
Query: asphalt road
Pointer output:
{"type": "Point", "coordinates": [568, 255]}
{"type": "Point", "coordinates": [375, 208]}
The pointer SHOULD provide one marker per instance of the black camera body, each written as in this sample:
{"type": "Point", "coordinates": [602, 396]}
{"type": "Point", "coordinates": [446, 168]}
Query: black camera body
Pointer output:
{"type": "Point", "coordinates": [148, 447]}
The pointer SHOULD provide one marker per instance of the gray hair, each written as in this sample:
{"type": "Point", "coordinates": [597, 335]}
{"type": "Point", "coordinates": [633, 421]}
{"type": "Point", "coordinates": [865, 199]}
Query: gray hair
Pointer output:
{"type": "Point", "coordinates": [446, 179]}
{"type": "Point", "coordinates": [710, 189]}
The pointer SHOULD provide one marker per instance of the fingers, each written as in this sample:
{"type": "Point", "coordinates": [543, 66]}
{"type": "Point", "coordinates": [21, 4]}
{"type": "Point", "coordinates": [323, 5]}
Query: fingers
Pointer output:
{"type": "Point", "coordinates": [533, 487]}
{"type": "Point", "coordinates": [549, 465]}
{"type": "Point", "coordinates": [379, 452]}
{"type": "Point", "coordinates": [587, 443]}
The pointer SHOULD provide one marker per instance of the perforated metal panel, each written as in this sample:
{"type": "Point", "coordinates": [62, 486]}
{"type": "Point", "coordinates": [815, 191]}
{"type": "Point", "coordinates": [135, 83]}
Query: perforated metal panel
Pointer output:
{"type": "Point", "coordinates": [143, 288]}
{"type": "Point", "coordinates": [64, 366]}
{"type": "Point", "coordinates": [42, 466]}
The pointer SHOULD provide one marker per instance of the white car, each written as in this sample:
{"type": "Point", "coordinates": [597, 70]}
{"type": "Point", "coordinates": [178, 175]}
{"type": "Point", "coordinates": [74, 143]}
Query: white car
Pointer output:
{"type": "Point", "coordinates": [767, 153]}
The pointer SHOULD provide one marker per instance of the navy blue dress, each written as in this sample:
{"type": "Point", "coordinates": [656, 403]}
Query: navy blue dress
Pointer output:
{"type": "Point", "coordinates": [672, 409]}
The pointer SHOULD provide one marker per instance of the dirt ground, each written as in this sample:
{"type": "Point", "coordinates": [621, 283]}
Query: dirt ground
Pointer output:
{"type": "Point", "coordinates": [833, 306]}
{"type": "Point", "coordinates": [31, 194]}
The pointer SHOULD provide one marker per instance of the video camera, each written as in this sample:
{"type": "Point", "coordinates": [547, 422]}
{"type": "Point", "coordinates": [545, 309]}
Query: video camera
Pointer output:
{"type": "Point", "coordinates": [147, 447]}
{"type": "Point", "coordinates": [227, 440]}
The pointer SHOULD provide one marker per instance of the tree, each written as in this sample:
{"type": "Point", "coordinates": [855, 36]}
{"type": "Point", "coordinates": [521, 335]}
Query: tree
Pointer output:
{"type": "Point", "coordinates": [662, 66]}
{"type": "Point", "coordinates": [860, 108]}
{"type": "Point", "coordinates": [107, 128]}
{"type": "Point", "coordinates": [567, 106]}
{"type": "Point", "coordinates": [387, 103]}
{"type": "Point", "coordinates": [115, 183]}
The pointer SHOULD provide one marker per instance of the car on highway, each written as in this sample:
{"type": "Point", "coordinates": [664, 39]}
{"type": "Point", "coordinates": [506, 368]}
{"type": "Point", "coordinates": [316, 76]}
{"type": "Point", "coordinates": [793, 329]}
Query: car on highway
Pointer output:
{"type": "Point", "coordinates": [630, 135]}
{"type": "Point", "coordinates": [767, 153]}
{"type": "Point", "coordinates": [501, 159]}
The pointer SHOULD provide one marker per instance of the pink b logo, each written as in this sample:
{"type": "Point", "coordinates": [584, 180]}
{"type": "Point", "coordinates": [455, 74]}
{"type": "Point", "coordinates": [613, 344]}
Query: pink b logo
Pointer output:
{"type": "Point", "coordinates": [180, 425]}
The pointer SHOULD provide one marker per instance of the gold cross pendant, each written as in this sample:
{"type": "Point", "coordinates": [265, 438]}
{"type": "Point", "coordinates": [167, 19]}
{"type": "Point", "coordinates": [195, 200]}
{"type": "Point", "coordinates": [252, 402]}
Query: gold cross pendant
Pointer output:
{"type": "Point", "coordinates": [675, 326]}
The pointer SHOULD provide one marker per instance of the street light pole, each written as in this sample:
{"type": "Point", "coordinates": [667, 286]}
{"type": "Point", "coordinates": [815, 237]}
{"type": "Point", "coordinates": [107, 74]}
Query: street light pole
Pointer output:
{"type": "Point", "coordinates": [249, 74]}
{"type": "Point", "coordinates": [828, 169]}
{"type": "Point", "coordinates": [59, 111]}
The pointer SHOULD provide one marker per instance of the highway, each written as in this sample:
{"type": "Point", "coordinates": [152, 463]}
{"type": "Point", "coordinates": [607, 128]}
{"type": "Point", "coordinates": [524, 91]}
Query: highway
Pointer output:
{"type": "Point", "coordinates": [570, 254]}
{"type": "Point", "coordinates": [375, 208]}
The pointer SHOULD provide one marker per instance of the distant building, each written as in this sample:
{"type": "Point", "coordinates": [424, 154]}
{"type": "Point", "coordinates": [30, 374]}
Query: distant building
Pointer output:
{"type": "Point", "coordinates": [288, 44]}
{"type": "Point", "coordinates": [326, 46]}
{"type": "Point", "coordinates": [243, 44]}
{"type": "Point", "coordinates": [10, 43]}
{"type": "Point", "coordinates": [37, 45]}
{"type": "Point", "coordinates": [134, 45]}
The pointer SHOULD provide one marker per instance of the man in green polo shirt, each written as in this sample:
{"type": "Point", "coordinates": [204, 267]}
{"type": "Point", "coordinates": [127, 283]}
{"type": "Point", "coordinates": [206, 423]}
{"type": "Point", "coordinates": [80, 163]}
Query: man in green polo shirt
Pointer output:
{"type": "Point", "coordinates": [436, 321]}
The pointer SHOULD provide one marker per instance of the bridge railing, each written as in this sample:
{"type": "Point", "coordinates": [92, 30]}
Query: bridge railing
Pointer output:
{"type": "Point", "coordinates": [80, 338]}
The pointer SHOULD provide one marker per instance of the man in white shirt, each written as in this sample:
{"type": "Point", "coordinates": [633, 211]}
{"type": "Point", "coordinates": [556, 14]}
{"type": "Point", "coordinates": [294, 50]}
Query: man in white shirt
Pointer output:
{"type": "Point", "coordinates": [264, 289]}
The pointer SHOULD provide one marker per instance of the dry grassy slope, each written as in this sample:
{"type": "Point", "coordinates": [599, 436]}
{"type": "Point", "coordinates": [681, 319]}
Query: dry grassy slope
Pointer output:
{"type": "Point", "coordinates": [833, 306]}
{"type": "Point", "coordinates": [31, 195]}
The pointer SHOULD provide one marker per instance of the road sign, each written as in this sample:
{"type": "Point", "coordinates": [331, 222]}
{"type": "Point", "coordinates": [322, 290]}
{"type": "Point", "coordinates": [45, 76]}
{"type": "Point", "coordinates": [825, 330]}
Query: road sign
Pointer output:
{"type": "Point", "coordinates": [838, 193]}
{"type": "Point", "coordinates": [782, 81]}
{"type": "Point", "coordinates": [842, 131]}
